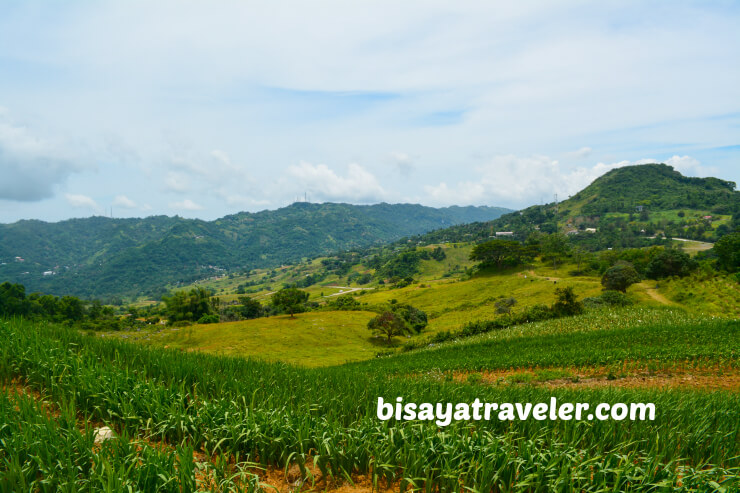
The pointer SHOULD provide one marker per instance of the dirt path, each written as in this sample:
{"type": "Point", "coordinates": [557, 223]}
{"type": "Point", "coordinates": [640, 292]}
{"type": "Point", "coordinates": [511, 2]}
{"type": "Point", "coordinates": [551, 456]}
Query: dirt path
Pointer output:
{"type": "Point", "coordinates": [531, 273]}
{"type": "Point", "coordinates": [654, 294]}
{"type": "Point", "coordinates": [348, 290]}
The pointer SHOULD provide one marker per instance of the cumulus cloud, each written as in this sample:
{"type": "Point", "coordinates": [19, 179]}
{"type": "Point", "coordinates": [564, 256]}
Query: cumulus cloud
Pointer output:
{"type": "Point", "coordinates": [213, 173]}
{"type": "Point", "coordinates": [82, 202]}
{"type": "Point", "coordinates": [30, 166]}
{"type": "Point", "coordinates": [323, 183]}
{"type": "Point", "coordinates": [522, 181]}
{"type": "Point", "coordinates": [123, 201]}
{"type": "Point", "coordinates": [186, 205]}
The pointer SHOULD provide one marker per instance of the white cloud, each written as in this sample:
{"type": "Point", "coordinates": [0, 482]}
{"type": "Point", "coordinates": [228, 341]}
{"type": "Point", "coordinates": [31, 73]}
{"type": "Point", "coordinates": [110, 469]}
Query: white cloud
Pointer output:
{"type": "Point", "coordinates": [581, 153]}
{"type": "Point", "coordinates": [186, 205]}
{"type": "Point", "coordinates": [403, 162]}
{"type": "Point", "coordinates": [123, 201]}
{"type": "Point", "coordinates": [522, 181]}
{"type": "Point", "coordinates": [82, 202]}
{"type": "Point", "coordinates": [177, 182]}
{"type": "Point", "coordinates": [322, 183]}
{"type": "Point", "coordinates": [31, 167]}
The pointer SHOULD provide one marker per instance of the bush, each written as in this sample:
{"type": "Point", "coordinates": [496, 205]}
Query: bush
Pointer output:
{"type": "Point", "coordinates": [504, 305]}
{"type": "Point", "coordinates": [670, 263]}
{"type": "Point", "coordinates": [414, 318]}
{"type": "Point", "coordinates": [567, 303]}
{"type": "Point", "coordinates": [608, 298]}
{"type": "Point", "coordinates": [209, 319]}
{"type": "Point", "coordinates": [620, 277]}
{"type": "Point", "coordinates": [345, 302]}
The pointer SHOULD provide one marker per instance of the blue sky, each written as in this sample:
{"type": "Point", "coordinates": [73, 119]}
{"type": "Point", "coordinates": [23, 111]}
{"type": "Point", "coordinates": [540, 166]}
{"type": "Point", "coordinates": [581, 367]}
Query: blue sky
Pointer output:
{"type": "Point", "coordinates": [203, 109]}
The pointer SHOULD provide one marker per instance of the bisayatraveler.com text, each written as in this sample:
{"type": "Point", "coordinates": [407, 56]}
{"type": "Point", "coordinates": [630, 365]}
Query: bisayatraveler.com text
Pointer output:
{"type": "Point", "coordinates": [445, 413]}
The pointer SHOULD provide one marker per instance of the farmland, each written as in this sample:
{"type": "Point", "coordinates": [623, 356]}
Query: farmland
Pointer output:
{"type": "Point", "coordinates": [221, 423]}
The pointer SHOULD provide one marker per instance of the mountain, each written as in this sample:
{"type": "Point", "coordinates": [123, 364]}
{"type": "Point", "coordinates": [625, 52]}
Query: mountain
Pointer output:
{"type": "Point", "coordinates": [104, 257]}
{"type": "Point", "coordinates": [656, 187]}
{"type": "Point", "coordinates": [624, 202]}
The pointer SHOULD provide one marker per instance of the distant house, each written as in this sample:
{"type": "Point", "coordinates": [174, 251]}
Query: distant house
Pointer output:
{"type": "Point", "coordinates": [48, 273]}
{"type": "Point", "coordinates": [504, 233]}
{"type": "Point", "coordinates": [638, 208]}
{"type": "Point", "coordinates": [572, 232]}
{"type": "Point", "coordinates": [19, 259]}
{"type": "Point", "coordinates": [590, 230]}
{"type": "Point", "coordinates": [707, 217]}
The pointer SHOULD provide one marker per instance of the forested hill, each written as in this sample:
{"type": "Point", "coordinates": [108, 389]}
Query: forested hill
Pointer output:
{"type": "Point", "coordinates": [632, 200]}
{"type": "Point", "coordinates": [103, 257]}
{"type": "Point", "coordinates": [655, 186]}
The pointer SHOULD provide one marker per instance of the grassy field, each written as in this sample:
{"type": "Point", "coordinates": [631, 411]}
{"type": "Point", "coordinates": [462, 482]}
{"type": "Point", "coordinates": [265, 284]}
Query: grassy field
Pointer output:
{"type": "Point", "coordinates": [205, 422]}
{"type": "Point", "coordinates": [332, 337]}
{"type": "Point", "coordinates": [309, 339]}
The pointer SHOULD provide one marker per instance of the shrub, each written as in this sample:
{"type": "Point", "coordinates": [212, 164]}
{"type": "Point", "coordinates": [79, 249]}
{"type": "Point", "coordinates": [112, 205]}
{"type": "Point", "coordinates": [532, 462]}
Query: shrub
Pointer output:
{"type": "Point", "coordinates": [566, 303]}
{"type": "Point", "coordinates": [670, 263]}
{"type": "Point", "coordinates": [608, 298]}
{"type": "Point", "coordinates": [209, 319]}
{"type": "Point", "coordinates": [504, 305]}
{"type": "Point", "coordinates": [414, 318]}
{"type": "Point", "coordinates": [620, 277]}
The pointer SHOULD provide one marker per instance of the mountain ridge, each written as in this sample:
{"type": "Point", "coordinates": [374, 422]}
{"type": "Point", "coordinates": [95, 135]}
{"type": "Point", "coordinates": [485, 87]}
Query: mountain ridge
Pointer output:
{"type": "Point", "coordinates": [101, 256]}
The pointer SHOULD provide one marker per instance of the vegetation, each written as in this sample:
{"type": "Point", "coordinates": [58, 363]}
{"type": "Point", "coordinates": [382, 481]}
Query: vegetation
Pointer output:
{"type": "Point", "coordinates": [500, 253]}
{"type": "Point", "coordinates": [190, 306]}
{"type": "Point", "coordinates": [290, 300]}
{"type": "Point", "coordinates": [280, 377]}
{"type": "Point", "coordinates": [670, 263]}
{"type": "Point", "coordinates": [284, 416]}
{"type": "Point", "coordinates": [727, 250]}
{"type": "Point", "coordinates": [388, 324]}
{"type": "Point", "coordinates": [115, 258]}
{"type": "Point", "coordinates": [620, 277]}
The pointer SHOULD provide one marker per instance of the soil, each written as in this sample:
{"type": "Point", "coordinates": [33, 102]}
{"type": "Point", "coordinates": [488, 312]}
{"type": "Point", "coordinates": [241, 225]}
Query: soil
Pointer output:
{"type": "Point", "coordinates": [711, 378]}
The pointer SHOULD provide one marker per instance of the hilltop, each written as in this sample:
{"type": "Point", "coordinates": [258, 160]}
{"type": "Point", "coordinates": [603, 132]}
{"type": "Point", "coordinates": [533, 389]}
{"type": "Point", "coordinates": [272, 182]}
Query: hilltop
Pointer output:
{"type": "Point", "coordinates": [104, 257]}
{"type": "Point", "coordinates": [621, 206]}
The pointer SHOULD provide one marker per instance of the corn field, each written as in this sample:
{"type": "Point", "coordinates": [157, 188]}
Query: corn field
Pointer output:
{"type": "Point", "coordinates": [196, 422]}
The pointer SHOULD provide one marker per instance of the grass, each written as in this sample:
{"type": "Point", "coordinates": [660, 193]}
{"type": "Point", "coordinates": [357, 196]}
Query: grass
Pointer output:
{"type": "Point", "coordinates": [309, 339]}
{"type": "Point", "coordinates": [451, 304]}
{"type": "Point", "coordinates": [283, 415]}
{"type": "Point", "coordinates": [717, 295]}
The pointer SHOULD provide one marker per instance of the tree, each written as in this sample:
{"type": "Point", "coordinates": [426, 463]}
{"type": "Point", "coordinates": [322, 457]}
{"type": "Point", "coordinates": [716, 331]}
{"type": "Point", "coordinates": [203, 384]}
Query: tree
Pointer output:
{"type": "Point", "coordinates": [499, 253]}
{"type": "Point", "coordinates": [190, 305]}
{"type": "Point", "coordinates": [566, 303]}
{"type": "Point", "coordinates": [620, 277]}
{"type": "Point", "coordinates": [554, 247]}
{"type": "Point", "coordinates": [727, 250]}
{"type": "Point", "coordinates": [388, 324]}
{"type": "Point", "coordinates": [250, 308]}
{"type": "Point", "coordinates": [414, 318]}
{"type": "Point", "coordinates": [289, 300]}
{"type": "Point", "coordinates": [668, 263]}
{"type": "Point", "coordinates": [580, 254]}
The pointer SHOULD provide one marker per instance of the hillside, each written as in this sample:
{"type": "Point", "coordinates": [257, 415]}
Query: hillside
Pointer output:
{"type": "Point", "coordinates": [106, 257]}
{"type": "Point", "coordinates": [622, 205]}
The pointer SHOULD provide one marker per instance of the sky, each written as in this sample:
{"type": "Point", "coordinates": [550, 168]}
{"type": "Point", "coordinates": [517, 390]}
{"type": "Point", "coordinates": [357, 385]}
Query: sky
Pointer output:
{"type": "Point", "coordinates": [202, 109]}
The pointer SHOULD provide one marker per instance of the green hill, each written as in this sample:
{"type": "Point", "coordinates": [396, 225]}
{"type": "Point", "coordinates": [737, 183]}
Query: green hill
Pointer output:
{"type": "Point", "coordinates": [653, 186]}
{"type": "Point", "coordinates": [622, 205]}
{"type": "Point", "coordinates": [106, 257]}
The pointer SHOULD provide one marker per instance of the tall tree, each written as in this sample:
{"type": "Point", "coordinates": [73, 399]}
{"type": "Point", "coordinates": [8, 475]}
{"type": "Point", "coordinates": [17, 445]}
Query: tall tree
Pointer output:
{"type": "Point", "coordinates": [289, 300]}
{"type": "Point", "coordinates": [499, 253]}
